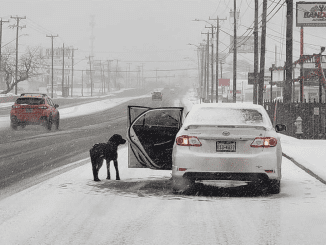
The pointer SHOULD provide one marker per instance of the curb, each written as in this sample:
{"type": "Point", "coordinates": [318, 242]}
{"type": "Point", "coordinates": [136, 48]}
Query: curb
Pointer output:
{"type": "Point", "coordinates": [308, 171]}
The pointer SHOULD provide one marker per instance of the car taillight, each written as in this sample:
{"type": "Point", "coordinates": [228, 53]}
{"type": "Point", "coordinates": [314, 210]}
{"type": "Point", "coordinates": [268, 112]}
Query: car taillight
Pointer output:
{"type": "Point", "coordinates": [264, 142]}
{"type": "Point", "coordinates": [185, 140]}
{"type": "Point", "coordinates": [43, 107]}
{"type": "Point", "coordinates": [15, 106]}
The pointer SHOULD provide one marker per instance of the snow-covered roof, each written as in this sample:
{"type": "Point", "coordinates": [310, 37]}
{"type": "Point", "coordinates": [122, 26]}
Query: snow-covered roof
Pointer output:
{"type": "Point", "coordinates": [228, 114]}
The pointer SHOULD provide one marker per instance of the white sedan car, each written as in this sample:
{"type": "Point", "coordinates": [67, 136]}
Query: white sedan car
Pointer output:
{"type": "Point", "coordinates": [234, 142]}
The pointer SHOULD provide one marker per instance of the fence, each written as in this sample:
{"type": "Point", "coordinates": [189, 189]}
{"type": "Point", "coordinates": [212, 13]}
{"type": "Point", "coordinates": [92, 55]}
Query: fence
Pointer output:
{"type": "Point", "coordinates": [312, 115]}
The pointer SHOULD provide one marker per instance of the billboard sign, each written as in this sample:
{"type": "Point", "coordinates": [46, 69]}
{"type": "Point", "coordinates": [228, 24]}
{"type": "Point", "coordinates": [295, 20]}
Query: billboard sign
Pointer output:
{"type": "Point", "coordinates": [223, 82]}
{"type": "Point", "coordinates": [311, 14]}
{"type": "Point", "coordinates": [245, 44]}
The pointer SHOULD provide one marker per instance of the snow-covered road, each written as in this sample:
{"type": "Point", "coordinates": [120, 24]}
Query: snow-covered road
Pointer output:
{"type": "Point", "coordinates": [140, 209]}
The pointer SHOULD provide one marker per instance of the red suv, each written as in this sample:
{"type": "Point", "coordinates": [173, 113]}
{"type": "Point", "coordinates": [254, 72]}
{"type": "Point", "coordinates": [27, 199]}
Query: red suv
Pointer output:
{"type": "Point", "coordinates": [34, 109]}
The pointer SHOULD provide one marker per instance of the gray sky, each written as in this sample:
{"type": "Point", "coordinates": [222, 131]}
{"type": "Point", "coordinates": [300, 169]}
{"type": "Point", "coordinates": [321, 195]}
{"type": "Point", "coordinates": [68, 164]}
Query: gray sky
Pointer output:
{"type": "Point", "coordinates": [154, 33]}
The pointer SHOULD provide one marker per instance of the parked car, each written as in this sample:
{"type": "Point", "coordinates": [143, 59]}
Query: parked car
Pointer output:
{"type": "Point", "coordinates": [215, 142]}
{"type": "Point", "coordinates": [34, 109]}
{"type": "Point", "coordinates": [157, 96]}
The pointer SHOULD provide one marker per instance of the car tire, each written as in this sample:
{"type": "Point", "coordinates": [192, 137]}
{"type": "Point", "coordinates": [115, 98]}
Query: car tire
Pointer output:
{"type": "Point", "coordinates": [56, 123]}
{"type": "Point", "coordinates": [48, 124]}
{"type": "Point", "coordinates": [274, 186]}
{"type": "Point", "coordinates": [13, 125]}
{"type": "Point", "coordinates": [181, 185]}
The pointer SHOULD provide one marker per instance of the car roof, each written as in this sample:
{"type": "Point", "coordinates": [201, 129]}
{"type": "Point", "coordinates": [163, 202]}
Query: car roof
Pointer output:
{"type": "Point", "coordinates": [228, 105]}
{"type": "Point", "coordinates": [34, 95]}
{"type": "Point", "coordinates": [197, 107]}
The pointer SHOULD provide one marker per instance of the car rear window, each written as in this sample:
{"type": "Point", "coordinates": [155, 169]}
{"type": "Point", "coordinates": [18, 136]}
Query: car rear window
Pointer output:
{"type": "Point", "coordinates": [227, 116]}
{"type": "Point", "coordinates": [30, 101]}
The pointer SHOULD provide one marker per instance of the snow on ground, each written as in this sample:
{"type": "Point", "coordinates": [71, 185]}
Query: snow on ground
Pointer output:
{"type": "Point", "coordinates": [71, 208]}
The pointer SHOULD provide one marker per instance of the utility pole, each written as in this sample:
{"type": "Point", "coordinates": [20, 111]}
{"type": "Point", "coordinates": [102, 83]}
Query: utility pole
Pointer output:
{"type": "Point", "coordinates": [301, 64]}
{"type": "Point", "coordinates": [199, 71]}
{"type": "Point", "coordinates": [1, 21]}
{"type": "Point", "coordinates": [212, 64]}
{"type": "Point", "coordinates": [289, 47]}
{"type": "Point", "coordinates": [206, 67]}
{"type": "Point", "coordinates": [217, 58]}
{"type": "Point", "coordinates": [109, 74]}
{"type": "Point", "coordinates": [72, 69]}
{"type": "Point", "coordinates": [272, 69]}
{"type": "Point", "coordinates": [262, 55]}
{"type": "Point", "coordinates": [255, 54]}
{"type": "Point", "coordinates": [129, 76]}
{"type": "Point", "coordinates": [52, 62]}
{"type": "Point", "coordinates": [116, 75]}
{"type": "Point", "coordinates": [21, 27]}
{"type": "Point", "coordinates": [102, 78]}
{"type": "Point", "coordinates": [207, 64]}
{"type": "Point", "coordinates": [203, 73]}
{"type": "Point", "coordinates": [82, 83]}
{"type": "Point", "coordinates": [63, 68]}
{"type": "Point", "coordinates": [90, 73]}
{"type": "Point", "coordinates": [235, 53]}
{"type": "Point", "coordinates": [142, 74]}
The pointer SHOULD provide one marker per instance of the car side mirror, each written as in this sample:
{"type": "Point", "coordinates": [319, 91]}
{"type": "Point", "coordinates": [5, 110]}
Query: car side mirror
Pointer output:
{"type": "Point", "coordinates": [280, 127]}
{"type": "Point", "coordinates": [56, 105]}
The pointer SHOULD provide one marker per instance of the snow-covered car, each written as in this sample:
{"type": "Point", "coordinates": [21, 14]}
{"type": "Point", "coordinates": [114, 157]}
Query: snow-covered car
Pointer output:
{"type": "Point", "coordinates": [215, 142]}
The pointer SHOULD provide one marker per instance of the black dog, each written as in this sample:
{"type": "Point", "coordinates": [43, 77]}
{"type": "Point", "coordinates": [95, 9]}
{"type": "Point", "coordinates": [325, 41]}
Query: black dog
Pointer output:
{"type": "Point", "coordinates": [107, 151]}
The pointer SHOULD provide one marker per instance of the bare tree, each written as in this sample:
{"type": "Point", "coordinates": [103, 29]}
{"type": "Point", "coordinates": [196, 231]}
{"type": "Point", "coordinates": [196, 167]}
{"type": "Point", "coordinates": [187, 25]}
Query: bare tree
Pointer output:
{"type": "Point", "coordinates": [30, 65]}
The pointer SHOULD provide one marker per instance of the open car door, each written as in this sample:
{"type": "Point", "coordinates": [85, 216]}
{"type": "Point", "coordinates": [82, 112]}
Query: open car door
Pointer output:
{"type": "Point", "coordinates": [151, 135]}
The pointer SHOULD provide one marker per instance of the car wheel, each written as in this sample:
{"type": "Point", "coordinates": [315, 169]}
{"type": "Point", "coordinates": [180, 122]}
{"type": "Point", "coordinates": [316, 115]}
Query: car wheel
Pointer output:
{"type": "Point", "coordinates": [274, 186]}
{"type": "Point", "coordinates": [13, 125]}
{"type": "Point", "coordinates": [48, 124]}
{"type": "Point", "coordinates": [180, 185]}
{"type": "Point", "coordinates": [56, 123]}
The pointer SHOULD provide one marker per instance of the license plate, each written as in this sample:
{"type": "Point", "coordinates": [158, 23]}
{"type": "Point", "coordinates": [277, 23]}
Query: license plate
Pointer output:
{"type": "Point", "coordinates": [29, 110]}
{"type": "Point", "coordinates": [225, 146]}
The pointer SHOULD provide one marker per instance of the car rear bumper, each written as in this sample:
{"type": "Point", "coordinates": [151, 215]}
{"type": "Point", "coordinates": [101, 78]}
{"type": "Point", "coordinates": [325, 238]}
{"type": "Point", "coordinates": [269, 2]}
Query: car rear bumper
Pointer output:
{"type": "Point", "coordinates": [252, 177]}
{"type": "Point", "coordinates": [28, 120]}
{"type": "Point", "coordinates": [224, 167]}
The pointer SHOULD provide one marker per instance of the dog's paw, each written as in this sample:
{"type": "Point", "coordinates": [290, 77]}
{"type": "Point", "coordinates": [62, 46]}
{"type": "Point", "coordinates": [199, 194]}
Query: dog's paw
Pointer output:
{"type": "Point", "coordinates": [117, 178]}
{"type": "Point", "coordinates": [108, 178]}
{"type": "Point", "coordinates": [97, 180]}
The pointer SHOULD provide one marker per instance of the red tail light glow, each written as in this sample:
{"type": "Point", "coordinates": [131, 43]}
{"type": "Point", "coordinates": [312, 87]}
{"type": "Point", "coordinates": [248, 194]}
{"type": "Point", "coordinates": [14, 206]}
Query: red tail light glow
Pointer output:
{"type": "Point", "coordinates": [185, 140]}
{"type": "Point", "coordinates": [182, 169]}
{"type": "Point", "coordinates": [264, 142]}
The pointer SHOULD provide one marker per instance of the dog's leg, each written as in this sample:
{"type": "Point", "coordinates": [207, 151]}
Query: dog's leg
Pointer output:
{"type": "Point", "coordinates": [116, 169]}
{"type": "Point", "coordinates": [96, 164]}
{"type": "Point", "coordinates": [108, 169]}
